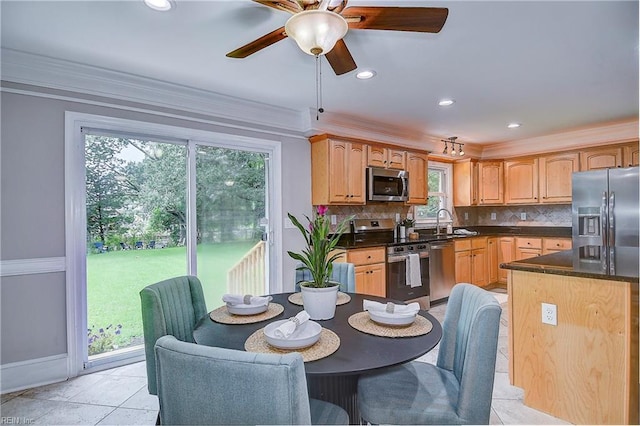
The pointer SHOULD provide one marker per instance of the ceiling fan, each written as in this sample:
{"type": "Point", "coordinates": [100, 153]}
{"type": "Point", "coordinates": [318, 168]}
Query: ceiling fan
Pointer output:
{"type": "Point", "coordinates": [414, 19]}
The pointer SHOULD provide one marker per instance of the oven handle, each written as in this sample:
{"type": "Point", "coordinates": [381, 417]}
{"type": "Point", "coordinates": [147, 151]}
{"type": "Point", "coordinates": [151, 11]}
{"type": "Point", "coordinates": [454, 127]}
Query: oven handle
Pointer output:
{"type": "Point", "coordinates": [403, 257]}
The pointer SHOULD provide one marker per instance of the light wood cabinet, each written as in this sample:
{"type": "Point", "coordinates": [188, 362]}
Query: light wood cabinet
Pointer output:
{"type": "Point", "coordinates": [601, 158]}
{"type": "Point", "coordinates": [337, 172]}
{"type": "Point", "coordinates": [471, 261]}
{"type": "Point", "coordinates": [370, 270]}
{"type": "Point", "coordinates": [491, 182]}
{"type": "Point", "coordinates": [506, 254]}
{"type": "Point", "coordinates": [630, 155]}
{"type": "Point", "coordinates": [553, 245]}
{"type": "Point", "coordinates": [492, 257]}
{"type": "Point", "coordinates": [527, 247]}
{"type": "Point", "coordinates": [555, 176]}
{"type": "Point", "coordinates": [387, 158]}
{"type": "Point", "coordinates": [521, 181]}
{"type": "Point", "coordinates": [465, 183]}
{"type": "Point", "coordinates": [418, 184]}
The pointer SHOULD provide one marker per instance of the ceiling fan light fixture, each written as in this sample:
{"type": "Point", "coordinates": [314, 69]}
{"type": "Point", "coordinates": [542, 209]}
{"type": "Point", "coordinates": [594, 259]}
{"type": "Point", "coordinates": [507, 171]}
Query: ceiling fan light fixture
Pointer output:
{"type": "Point", "coordinates": [316, 31]}
{"type": "Point", "coordinates": [161, 5]}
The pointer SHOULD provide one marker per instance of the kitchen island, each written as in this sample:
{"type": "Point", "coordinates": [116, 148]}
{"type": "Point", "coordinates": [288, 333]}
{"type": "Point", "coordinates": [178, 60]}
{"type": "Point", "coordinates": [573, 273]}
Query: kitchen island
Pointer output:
{"type": "Point", "coordinates": [576, 357]}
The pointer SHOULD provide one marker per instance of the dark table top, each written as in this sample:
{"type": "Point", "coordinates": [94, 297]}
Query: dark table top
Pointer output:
{"type": "Point", "coordinates": [358, 352]}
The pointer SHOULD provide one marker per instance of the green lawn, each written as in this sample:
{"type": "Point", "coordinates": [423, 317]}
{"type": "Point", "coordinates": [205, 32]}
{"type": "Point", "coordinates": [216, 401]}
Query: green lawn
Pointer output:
{"type": "Point", "coordinates": [114, 280]}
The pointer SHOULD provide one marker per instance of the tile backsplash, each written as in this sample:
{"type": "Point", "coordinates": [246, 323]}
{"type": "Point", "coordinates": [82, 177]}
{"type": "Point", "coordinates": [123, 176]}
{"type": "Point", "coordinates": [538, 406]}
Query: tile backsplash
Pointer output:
{"type": "Point", "coordinates": [539, 215]}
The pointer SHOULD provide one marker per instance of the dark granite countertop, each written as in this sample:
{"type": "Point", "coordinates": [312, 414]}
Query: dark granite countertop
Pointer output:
{"type": "Point", "coordinates": [588, 262]}
{"type": "Point", "coordinates": [353, 241]}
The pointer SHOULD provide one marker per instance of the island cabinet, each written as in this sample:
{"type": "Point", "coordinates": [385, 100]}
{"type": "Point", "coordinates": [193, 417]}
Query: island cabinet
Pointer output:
{"type": "Point", "coordinates": [584, 368]}
{"type": "Point", "coordinates": [601, 158]}
{"type": "Point", "coordinates": [491, 182]}
{"type": "Point", "coordinates": [418, 184]}
{"type": "Point", "coordinates": [521, 181]}
{"type": "Point", "coordinates": [555, 173]}
{"type": "Point", "coordinates": [465, 183]}
{"type": "Point", "coordinates": [337, 172]}
{"type": "Point", "coordinates": [471, 261]}
{"type": "Point", "coordinates": [370, 269]}
{"type": "Point", "coordinates": [387, 158]}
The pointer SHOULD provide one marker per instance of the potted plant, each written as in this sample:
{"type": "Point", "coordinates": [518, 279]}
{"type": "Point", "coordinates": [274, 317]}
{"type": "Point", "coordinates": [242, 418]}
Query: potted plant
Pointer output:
{"type": "Point", "coordinates": [408, 225]}
{"type": "Point", "coordinates": [320, 294]}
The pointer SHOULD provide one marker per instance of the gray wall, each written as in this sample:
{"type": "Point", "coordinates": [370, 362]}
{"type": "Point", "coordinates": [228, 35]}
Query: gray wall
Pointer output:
{"type": "Point", "coordinates": [33, 316]}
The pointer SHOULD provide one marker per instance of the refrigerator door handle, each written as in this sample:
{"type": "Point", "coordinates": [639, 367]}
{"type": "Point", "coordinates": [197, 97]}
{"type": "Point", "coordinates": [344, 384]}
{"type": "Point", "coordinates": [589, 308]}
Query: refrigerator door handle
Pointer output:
{"type": "Point", "coordinates": [612, 223]}
{"type": "Point", "coordinates": [603, 218]}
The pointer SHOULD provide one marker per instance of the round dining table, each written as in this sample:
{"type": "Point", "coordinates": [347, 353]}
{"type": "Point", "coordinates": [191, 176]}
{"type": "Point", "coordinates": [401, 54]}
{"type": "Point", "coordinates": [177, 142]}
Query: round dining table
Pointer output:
{"type": "Point", "coordinates": [333, 378]}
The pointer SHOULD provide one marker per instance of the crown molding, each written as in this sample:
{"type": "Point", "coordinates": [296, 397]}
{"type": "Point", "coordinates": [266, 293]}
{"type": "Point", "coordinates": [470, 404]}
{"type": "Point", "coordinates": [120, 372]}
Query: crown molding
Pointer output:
{"type": "Point", "coordinates": [26, 68]}
{"type": "Point", "coordinates": [607, 133]}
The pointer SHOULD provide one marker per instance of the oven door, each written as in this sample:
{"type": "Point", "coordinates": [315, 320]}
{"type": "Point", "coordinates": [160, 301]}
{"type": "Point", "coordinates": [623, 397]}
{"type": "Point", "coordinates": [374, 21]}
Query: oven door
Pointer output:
{"type": "Point", "coordinates": [397, 287]}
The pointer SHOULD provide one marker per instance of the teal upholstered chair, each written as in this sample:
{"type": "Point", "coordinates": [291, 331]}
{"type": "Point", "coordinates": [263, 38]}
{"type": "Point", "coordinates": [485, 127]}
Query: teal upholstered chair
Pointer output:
{"type": "Point", "coordinates": [170, 307]}
{"type": "Point", "coordinates": [343, 273]}
{"type": "Point", "coordinates": [207, 385]}
{"type": "Point", "coordinates": [458, 389]}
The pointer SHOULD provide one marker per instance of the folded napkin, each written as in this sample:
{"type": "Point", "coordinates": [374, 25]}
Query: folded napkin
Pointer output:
{"type": "Point", "coordinates": [247, 299]}
{"type": "Point", "coordinates": [285, 330]}
{"type": "Point", "coordinates": [391, 308]}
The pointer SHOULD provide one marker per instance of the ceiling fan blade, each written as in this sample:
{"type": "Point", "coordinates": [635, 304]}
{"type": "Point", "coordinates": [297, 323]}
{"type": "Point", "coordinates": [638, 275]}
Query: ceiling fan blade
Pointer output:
{"type": "Point", "coordinates": [417, 19]}
{"type": "Point", "coordinates": [258, 44]}
{"type": "Point", "coordinates": [290, 6]}
{"type": "Point", "coordinates": [340, 58]}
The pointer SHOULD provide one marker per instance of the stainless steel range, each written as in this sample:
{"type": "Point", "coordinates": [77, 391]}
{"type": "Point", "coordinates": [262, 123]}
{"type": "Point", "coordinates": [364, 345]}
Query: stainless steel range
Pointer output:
{"type": "Point", "coordinates": [381, 231]}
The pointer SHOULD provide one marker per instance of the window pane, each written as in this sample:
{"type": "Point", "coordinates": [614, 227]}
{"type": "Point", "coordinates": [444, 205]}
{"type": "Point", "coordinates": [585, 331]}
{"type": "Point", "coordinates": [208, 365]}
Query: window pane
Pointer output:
{"type": "Point", "coordinates": [435, 181]}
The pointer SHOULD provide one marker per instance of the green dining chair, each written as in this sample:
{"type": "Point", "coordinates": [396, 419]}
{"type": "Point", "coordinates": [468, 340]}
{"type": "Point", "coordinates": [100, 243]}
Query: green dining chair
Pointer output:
{"type": "Point", "coordinates": [205, 385]}
{"type": "Point", "coordinates": [458, 389]}
{"type": "Point", "coordinates": [343, 273]}
{"type": "Point", "coordinates": [172, 307]}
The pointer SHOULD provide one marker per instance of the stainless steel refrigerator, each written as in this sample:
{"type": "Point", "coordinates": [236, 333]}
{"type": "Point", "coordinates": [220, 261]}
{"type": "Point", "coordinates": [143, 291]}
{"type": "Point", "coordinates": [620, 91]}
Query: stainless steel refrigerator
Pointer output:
{"type": "Point", "coordinates": [606, 216]}
{"type": "Point", "coordinates": [605, 208]}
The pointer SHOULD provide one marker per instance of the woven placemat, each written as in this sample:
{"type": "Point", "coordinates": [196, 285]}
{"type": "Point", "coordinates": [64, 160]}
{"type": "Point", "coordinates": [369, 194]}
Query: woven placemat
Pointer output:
{"type": "Point", "coordinates": [223, 316]}
{"type": "Point", "coordinates": [296, 298]}
{"type": "Point", "coordinates": [362, 322]}
{"type": "Point", "coordinates": [328, 343]}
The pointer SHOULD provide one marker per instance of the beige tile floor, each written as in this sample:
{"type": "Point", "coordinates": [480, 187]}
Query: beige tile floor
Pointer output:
{"type": "Point", "coordinates": [119, 396]}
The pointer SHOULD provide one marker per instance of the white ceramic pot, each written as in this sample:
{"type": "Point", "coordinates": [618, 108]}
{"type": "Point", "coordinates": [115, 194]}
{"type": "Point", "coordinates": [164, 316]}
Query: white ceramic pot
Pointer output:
{"type": "Point", "coordinates": [403, 232]}
{"type": "Point", "coordinates": [320, 303]}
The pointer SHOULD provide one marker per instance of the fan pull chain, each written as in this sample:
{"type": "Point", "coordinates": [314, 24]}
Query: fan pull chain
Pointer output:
{"type": "Point", "coordinates": [319, 109]}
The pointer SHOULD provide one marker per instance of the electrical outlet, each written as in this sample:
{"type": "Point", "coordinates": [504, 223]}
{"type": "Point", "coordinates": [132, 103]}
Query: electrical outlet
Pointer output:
{"type": "Point", "coordinates": [334, 219]}
{"type": "Point", "coordinates": [523, 216]}
{"type": "Point", "coordinates": [493, 215]}
{"type": "Point", "coordinates": [466, 215]}
{"type": "Point", "coordinates": [549, 314]}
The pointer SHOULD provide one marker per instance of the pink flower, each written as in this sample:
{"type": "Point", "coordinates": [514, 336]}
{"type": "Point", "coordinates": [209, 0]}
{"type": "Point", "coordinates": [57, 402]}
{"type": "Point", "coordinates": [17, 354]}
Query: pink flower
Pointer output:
{"type": "Point", "coordinates": [322, 210]}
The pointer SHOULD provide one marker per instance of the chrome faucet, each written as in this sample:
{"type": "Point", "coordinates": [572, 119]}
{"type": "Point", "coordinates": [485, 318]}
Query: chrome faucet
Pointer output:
{"type": "Point", "coordinates": [438, 219]}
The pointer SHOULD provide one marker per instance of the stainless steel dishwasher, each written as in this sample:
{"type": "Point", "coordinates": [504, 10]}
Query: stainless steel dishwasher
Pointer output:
{"type": "Point", "coordinates": [442, 270]}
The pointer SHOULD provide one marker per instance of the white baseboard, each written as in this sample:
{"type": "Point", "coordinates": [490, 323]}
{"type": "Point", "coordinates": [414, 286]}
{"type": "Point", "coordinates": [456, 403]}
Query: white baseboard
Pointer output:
{"type": "Point", "coordinates": [22, 375]}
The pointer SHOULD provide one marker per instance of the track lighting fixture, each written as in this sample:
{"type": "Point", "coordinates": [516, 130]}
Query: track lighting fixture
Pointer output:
{"type": "Point", "coordinates": [453, 152]}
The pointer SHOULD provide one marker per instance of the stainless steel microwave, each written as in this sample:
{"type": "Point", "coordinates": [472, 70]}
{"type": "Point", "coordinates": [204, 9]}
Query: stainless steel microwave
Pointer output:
{"type": "Point", "coordinates": [387, 184]}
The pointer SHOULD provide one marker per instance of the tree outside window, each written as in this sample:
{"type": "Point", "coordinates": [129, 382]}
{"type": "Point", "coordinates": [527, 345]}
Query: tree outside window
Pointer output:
{"type": "Point", "coordinates": [440, 187]}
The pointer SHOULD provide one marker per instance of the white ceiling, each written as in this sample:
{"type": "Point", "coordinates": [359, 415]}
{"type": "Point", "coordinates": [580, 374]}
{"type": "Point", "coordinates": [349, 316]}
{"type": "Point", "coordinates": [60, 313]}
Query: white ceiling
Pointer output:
{"type": "Point", "coordinates": [552, 66]}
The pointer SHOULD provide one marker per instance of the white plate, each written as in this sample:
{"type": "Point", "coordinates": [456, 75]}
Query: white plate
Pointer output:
{"type": "Point", "coordinates": [305, 335]}
{"type": "Point", "coordinates": [246, 309]}
{"type": "Point", "coordinates": [386, 318]}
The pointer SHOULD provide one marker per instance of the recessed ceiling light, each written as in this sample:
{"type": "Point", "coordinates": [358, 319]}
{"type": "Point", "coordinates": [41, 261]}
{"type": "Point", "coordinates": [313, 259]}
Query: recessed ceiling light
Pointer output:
{"type": "Point", "coordinates": [446, 102]}
{"type": "Point", "coordinates": [161, 5]}
{"type": "Point", "coordinates": [514, 125]}
{"type": "Point", "coordinates": [366, 74]}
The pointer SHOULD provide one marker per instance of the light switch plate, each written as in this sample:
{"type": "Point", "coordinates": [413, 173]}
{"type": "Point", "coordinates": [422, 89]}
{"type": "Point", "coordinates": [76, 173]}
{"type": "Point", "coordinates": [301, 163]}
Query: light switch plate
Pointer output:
{"type": "Point", "coordinates": [523, 216]}
{"type": "Point", "coordinates": [493, 215]}
{"type": "Point", "coordinates": [334, 219]}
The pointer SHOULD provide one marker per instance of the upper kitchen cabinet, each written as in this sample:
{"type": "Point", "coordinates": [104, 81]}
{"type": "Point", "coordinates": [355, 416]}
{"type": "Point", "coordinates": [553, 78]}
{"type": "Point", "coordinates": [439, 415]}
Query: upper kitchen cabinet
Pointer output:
{"type": "Point", "coordinates": [601, 158]}
{"type": "Point", "coordinates": [630, 155]}
{"type": "Point", "coordinates": [491, 183]}
{"type": "Point", "coordinates": [418, 185]}
{"type": "Point", "coordinates": [337, 171]}
{"type": "Point", "coordinates": [521, 181]}
{"type": "Point", "coordinates": [387, 158]}
{"type": "Point", "coordinates": [555, 176]}
{"type": "Point", "coordinates": [465, 183]}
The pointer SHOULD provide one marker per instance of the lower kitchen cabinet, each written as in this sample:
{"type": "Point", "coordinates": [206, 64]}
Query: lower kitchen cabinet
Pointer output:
{"type": "Point", "coordinates": [371, 272]}
{"type": "Point", "coordinates": [553, 245]}
{"type": "Point", "coordinates": [506, 254]}
{"type": "Point", "coordinates": [471, 261]}
{"type": "Point", "coordinates": [527, 247]}
{"type": "Point", "coordinates": [492, 255]}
